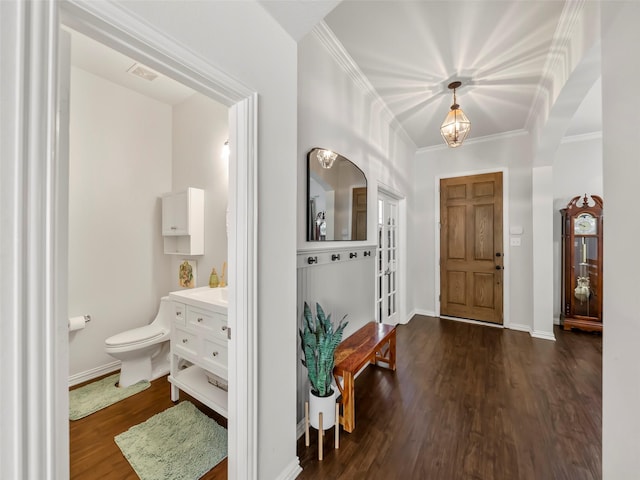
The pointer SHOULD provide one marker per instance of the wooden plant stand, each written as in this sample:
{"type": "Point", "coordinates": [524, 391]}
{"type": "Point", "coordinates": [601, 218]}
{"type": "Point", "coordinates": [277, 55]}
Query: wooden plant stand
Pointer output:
{"type": "Point", "coordinates": [320, 429]}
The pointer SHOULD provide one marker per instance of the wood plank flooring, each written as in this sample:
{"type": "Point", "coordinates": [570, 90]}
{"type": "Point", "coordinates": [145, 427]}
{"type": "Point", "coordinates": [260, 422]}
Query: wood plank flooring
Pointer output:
{"type": "Point", "coordinates": [93, 452]}
{"type": "Point", "coordinates": [466, 402]}
{"type": "Point", "coordinates": [473, 402]}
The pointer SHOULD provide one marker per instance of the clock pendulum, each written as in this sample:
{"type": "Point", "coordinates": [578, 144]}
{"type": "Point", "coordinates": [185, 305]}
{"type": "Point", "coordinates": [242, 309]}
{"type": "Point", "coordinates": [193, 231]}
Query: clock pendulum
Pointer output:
{"type": "Point", "coordinates": [583, 289]}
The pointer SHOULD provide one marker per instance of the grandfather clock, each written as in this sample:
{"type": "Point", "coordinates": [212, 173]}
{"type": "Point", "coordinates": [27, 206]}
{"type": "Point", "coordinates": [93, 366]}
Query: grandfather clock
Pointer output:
{"type": "Point", "coordinates": [582, 263]}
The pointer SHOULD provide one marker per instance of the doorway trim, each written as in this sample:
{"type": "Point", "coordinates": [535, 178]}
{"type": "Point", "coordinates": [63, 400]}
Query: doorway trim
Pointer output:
{"type": "Point", "coordinates": [116, 29]}
{"type": "Point", "coordinates": [402, 260]}
{"type": "Point", "coordinates": [36, 334]}
{"type": "Point", "coordinates": [506, 284]}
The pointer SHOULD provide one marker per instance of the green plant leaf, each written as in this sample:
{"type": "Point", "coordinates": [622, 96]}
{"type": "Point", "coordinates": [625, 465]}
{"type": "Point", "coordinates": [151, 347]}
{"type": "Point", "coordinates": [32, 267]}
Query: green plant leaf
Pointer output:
{"type": "Point", "coordinates": [319, 341]}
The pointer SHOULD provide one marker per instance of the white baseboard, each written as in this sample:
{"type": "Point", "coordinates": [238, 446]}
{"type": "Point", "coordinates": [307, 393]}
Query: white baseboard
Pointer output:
{"type": "Point", "coordinates": [426, 313]}
{"type": "Point", "coordinates": [300, 429]}
{"type": "Point", "coordinates": [543, 335]}
{"type": "Point", "coordinates": [291, 471]}
{"type": "Point", "coordinates": [94, 373]}
{"type": "Point", "coordinates": [556, 320]}
{"type": "Point", "coordinates": [520, 327]}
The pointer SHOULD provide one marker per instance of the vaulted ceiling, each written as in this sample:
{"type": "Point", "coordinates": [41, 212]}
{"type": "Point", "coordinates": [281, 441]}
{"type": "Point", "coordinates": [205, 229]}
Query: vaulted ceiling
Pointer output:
{"type": "Point", "coordinates": [409, 51]}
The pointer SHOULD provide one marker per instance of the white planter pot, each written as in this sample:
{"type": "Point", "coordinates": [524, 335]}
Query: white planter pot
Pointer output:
{"type": "Point", "coordinates": [326, 405]}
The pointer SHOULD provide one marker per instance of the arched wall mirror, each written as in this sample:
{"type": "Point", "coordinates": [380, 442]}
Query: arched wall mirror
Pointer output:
{"type": "Point", "coordinates": [336, 198]}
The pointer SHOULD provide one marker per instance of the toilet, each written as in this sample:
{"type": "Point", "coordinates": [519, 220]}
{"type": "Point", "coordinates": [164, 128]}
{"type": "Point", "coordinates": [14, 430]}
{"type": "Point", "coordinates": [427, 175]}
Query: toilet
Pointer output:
{"type": "Point", "coordinates": [144, 351]}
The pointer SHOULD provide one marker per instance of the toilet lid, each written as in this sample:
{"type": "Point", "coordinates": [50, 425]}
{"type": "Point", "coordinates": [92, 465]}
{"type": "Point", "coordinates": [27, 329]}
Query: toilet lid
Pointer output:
{"type": "Point", "coordinates": [135, 335]}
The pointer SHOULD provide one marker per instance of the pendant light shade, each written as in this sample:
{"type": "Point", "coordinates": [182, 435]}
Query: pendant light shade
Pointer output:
{"type": "Point", "coordinates": [456, 125]}
{"type": "Point", "coordinates": [326, 157]}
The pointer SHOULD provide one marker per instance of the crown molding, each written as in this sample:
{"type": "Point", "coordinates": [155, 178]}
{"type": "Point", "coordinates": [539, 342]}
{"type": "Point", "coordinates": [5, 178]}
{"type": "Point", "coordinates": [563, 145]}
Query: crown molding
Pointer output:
{"type": "Point", "coordinates": [583, 137]}
{"type": "Point", "coordinates": [335, 48]}
{"type": "Point", "coordinates": [473, 141]}
{"type": "Point", "coordinates": [558, 51]}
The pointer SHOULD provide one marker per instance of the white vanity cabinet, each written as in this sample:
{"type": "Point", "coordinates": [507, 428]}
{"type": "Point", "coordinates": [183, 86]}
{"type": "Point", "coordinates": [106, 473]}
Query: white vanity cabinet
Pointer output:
{"type": "Point", "coordinates": [183, 222]}
{"type": "Point", "coordinates": [199, 350]}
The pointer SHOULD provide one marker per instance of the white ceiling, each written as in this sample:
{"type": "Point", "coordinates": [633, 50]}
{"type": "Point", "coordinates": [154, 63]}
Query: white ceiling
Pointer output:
{"type": "Point", "coordinates": [410, 51]}
{"type": "Point", "coordinates": [111, 65]}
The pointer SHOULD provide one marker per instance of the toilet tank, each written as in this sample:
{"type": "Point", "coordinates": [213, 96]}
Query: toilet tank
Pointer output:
{"type": "Point", "coordinates": [165, 312]}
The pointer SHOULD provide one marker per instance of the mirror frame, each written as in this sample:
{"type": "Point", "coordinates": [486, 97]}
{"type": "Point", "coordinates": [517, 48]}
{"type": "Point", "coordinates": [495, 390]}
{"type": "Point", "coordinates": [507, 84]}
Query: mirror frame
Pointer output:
{"type": "Point", "coordinates": [311, 157]}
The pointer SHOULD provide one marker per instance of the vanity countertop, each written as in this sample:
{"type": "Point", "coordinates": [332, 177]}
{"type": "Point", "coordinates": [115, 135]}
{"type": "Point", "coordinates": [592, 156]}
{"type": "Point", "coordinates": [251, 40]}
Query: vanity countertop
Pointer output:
{"type": "Point", "coordinates": [215, 299]}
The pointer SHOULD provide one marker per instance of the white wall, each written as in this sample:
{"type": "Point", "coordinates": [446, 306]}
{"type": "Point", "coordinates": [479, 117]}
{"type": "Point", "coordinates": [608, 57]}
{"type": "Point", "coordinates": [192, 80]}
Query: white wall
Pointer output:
{"type": "Point", "coordinates": [512, 153]}
{"type": "Point", "coordinates": [335, 112]}
{"type": "Point", "coordinates": [120, 163]}
{"type": "Point", "coordinates": [577, 169]}
{"type": "Point", "coordinates": [243, 41]}
{"type": "Point", "coordinates": [200, 128]}
{"type": "Point", "coordinates": [621, 171]}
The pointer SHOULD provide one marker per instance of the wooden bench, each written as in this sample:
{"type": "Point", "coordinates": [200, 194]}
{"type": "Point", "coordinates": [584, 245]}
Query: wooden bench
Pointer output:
{"type": "Point", "coordinates": [373, 343]}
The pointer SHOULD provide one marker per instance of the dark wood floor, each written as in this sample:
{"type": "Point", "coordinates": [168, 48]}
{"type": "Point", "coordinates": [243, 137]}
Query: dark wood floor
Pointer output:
{"type": "Point", "coordinates": [473, 402]}
{"type": "Point", "coordinates": [93, 452]}
{"type": "Point", "coordinates": [466, 402]}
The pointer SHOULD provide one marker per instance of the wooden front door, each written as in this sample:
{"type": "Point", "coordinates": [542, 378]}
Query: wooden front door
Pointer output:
{"type": "Point", "coordinates": [359, 214]}
{"type": "Point", "coordinates": [471, 250]}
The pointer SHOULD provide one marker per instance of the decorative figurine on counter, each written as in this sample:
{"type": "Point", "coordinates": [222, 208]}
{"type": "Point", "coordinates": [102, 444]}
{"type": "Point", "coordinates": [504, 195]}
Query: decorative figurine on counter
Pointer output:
{"type": "Point", "coordinates": [213, 279]}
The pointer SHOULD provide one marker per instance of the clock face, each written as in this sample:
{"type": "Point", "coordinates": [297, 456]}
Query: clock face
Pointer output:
{"type": "Point", "coordinates": [585, 224]}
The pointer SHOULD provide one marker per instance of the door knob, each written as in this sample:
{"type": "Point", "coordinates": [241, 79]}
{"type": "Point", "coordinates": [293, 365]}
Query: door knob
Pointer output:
{"type": "Point", "coordinates": [498, 267]}
{"type": "Point", "coordinates": [498, 254]}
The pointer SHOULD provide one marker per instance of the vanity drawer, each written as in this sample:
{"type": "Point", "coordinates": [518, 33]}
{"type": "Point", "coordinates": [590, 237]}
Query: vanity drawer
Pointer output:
{"type": "Point", "coordinates": [184, 343]}
{"type": "Point", "coordinates": [179, 312]}
{"type": "Point", "coordinates": [209, 322]}
{"type": "Point", "coordinates": [214, 356]}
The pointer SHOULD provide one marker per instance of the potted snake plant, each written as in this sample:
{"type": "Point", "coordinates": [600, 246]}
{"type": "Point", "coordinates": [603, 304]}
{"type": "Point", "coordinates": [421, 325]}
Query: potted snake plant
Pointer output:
{"type": "Point", "coordinates": [319, 340]}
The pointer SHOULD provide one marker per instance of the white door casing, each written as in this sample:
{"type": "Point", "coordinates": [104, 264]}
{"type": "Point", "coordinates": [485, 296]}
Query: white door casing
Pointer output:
{"type": "Point", "coordinates": [507, 257]}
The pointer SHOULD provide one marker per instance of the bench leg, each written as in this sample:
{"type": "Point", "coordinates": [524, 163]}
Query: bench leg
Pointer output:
{"type": "Point", "coordinates": [348, 403]}
{"type": "Point", "coordinates": [392, 351]}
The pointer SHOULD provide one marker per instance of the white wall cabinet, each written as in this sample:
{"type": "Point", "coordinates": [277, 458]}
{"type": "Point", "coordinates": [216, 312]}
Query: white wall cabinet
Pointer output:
{"type": "Point", "coordinates": [183, 222]}
{"type": "Point", "coordinates": [199, 337]}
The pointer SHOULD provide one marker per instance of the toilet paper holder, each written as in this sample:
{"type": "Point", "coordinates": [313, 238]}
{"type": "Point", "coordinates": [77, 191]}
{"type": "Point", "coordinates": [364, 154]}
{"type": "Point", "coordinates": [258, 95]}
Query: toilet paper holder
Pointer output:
{"type": "Point", "coordinates": [79, 322]}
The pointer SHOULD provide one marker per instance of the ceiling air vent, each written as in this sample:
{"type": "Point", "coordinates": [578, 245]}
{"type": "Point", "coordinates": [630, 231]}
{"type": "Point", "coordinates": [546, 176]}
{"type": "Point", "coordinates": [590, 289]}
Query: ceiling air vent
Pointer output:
{"type": "Point", "coordinates": [142, 72]}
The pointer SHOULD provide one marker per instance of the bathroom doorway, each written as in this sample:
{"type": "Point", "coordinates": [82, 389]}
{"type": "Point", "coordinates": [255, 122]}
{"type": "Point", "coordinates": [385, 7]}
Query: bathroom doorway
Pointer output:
{"type": "Point", "coordinates": [240, 217]}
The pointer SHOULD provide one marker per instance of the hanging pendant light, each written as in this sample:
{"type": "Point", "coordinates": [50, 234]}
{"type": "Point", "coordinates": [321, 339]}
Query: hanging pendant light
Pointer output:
{"type": "Point", "coordinates": [456, 125]}
{"type": "Point", "coordinates": [326, 157]}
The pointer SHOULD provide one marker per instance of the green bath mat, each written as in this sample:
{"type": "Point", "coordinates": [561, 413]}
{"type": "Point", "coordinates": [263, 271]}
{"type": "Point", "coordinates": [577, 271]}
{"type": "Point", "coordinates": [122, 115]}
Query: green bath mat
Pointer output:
{"type": "Point", "coordinates": [95, 396]}
{"type": "Point", "coordinates": [181, 443]}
